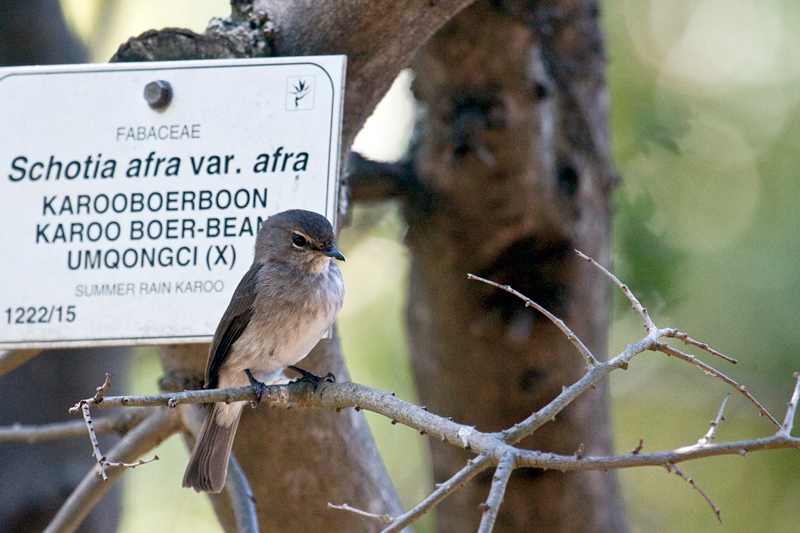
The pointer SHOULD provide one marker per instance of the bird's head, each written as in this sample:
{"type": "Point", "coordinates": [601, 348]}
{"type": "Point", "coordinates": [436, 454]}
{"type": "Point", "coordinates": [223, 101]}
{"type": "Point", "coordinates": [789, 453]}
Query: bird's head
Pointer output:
{"type": "Point", "coordinates": [301, 238]}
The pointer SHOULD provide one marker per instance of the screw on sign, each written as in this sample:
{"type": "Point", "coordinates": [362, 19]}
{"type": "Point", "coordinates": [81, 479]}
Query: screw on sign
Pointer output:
{"type": "Point", "coordinates": [158, 94]}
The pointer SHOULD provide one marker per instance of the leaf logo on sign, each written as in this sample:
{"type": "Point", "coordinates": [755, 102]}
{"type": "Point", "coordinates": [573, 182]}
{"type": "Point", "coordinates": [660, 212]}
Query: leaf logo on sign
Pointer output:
{"type": "Point", "coordinates": [299, 93]}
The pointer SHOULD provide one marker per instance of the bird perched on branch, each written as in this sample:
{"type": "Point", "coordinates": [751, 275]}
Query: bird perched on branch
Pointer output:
{"type": "Point", "coordinates": [280, 309]}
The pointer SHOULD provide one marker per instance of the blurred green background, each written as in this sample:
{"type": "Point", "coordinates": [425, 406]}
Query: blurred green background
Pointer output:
{"type": "Point", "coordinates": [706, 129]}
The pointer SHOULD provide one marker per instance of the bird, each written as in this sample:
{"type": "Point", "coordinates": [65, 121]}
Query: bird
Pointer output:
{"type": "Point", "coordinates": [283, 305]}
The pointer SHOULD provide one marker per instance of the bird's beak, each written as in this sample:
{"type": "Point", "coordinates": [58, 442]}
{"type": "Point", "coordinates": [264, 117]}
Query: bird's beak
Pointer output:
{"type": "Point", "coordinates": [333, 252]}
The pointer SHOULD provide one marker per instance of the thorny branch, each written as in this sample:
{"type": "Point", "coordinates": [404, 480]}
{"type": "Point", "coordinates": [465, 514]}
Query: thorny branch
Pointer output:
{"type": "Point", "coordinates": [119, 423]}
{"type": "Point", "coordinates": [672, 468]}
{"type": "Point", "coordinates": [496, 449]}
{"type": "Point", "coordinates": [150, 433]}
{"type": "Point", "coordinates": [709, 436]}
{"type": "Point", "coordinates": [499, 482]}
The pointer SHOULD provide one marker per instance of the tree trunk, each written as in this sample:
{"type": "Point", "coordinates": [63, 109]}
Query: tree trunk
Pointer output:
{"type": "Point", "coordinates": [513, 172]}
{"type": "Point", "coordinates": [297, 462]}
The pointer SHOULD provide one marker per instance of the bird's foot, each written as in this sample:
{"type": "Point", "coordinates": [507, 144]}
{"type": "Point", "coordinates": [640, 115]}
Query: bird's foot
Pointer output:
{"type": "Point", "coordinates": [258, 387]}
{"type": "Point", "coordinates": [313, 378]}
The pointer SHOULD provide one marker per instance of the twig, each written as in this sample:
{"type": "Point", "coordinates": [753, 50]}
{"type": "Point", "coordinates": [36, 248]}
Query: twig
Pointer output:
{"type": "Point", "coordinates": [242, 499]}
{"type": "Point", "coordinates": [499, 482]}
{"type": "Point", "coordinates": [709, 436]}
{"type": "Point", "coordinates": [638, 307]}
{"type": "Point", "coordinates": [473, 468]}
{"type": "Point", "coordinates": [674, 333]}
{"type": "Point", "coordinates": [711, 371]}
{"type": "Point", "coordinates": [87, 417]}
{"type": "Point", "coordinates": [11, 359]}
{"type": "Point", "coordinates": [141, 439]}
{"type": "Point", "coordinates": [672, 468]}
{"type": "Point", "coordinates": [654, 331]}
{"type": "Point", "coordinates": [101, 390]}
{"type": "Point", "coordinates": [568, 463]}
{"type": "Point", "coordinates": [172, 399]}
{"type": "Point", "coordinates": [591, 361]}
{"type": "Point", "coordinates": [130, 465]}
{"type": "Point", "coordinates": [119, 423]}
{"type": "Point", "coordinates": [786, 428]}
{"type": "Point", "coordinates": [381, 518]}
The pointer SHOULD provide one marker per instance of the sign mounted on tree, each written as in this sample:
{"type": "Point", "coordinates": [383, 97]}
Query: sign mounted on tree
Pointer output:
{"type": "Point", "coordinates": [131, 194]}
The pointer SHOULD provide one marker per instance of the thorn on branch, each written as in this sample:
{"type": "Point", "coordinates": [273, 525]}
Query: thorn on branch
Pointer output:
{"type": "Point", "coordinates": [579, 452]}
{"type": "Point", "coordinates": [638, 447]}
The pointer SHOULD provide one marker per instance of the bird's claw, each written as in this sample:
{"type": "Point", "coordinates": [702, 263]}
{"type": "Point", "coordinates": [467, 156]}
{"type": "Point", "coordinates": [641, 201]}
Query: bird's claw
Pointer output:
{"type": "Point", "coordinates": [258, 387]}
{"type": "Point", "coordinates": [313, 378]}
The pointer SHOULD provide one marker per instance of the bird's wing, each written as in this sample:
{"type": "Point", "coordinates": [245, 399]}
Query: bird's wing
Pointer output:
{"type": "Point", "coordinates": [233, 322]}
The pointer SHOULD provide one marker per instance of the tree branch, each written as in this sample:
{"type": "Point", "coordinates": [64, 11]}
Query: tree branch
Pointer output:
{"type": "Point", "coordinates": [571, 337]}
{"type": "Point", "coordinates": [443, 490]}
{"type": "Point", "coordinates": [497, 448]}
{"type": "Point", "coordinates": [709, 436]}
{"type": "Point", "coordinates": [375, 181]}
{"type": "Point", "coordinates": [499, 482]}
{"type": "Point", "coordinates": [143, 438]}
{"type": "Point", "coordinates": [11, 359]}
{"type": "Point", "coordinates": [338, 396]}
{"type": "Point", "coordinates": [119, 423]}
{"type": "Point", "coordinates": [672, 468]}
{"type": "Point", "coordinates": [381, 518]}
{"type": "Point", "coordinates": [242, 499]}
{"type": "Point", "coordinates": [786, 428]}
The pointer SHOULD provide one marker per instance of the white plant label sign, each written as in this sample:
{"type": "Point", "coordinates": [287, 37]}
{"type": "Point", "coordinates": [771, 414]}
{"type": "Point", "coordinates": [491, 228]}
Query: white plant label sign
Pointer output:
{"type": "Point", "coordinates": [124, 222]}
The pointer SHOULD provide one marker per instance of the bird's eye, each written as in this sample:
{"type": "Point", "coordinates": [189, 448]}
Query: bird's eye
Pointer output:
{"type": "Point", "coordinates": [298, 240]}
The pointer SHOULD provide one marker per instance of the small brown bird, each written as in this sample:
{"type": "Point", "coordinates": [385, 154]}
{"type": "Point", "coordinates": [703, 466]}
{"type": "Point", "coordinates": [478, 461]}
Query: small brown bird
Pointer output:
{"type": "Point", "coordinates": [283, 305]}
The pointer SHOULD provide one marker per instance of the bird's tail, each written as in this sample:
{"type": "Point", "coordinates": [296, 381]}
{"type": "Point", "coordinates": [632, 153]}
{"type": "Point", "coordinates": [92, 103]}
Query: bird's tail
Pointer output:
{"type": "Point", "coordinates": [208, 464]}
